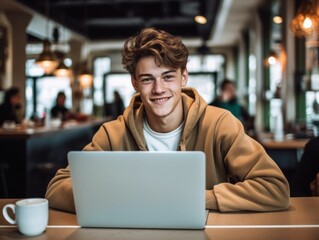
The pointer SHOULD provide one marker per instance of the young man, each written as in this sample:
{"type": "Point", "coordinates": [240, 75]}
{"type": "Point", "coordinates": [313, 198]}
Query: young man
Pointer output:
{"type": "Point", "coordinates": [164, 115]}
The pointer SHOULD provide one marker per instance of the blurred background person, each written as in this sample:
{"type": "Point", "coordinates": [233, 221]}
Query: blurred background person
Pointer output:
{"type": "Point", "coordinates": [118, 105]}
{"type": "Point", "coordinates": [59, 110]}
{"type": "Point", "coordinates": [11, 108]}
{"type": "Point", "coordinates": [228, 100]}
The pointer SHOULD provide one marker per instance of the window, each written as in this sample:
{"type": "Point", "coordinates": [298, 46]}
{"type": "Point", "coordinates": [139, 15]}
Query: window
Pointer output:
{"type": "Point", "coordinates": [207, 63]}
{"type": "Point", "coordinates": [204, 74]}
{"type": "Point", "coordinates": [41, 91]}
{"type": "Point", "coordinates": [101, 66]}
{"type": "Point", "coordinates": [120, 82]}
{"type": "Point", "coordinates": [204, 83]}
{"type": "Point", "coordinates": [252, 85]}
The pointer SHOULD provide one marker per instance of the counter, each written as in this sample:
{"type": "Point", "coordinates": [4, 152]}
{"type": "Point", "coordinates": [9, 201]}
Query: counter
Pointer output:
{"type": "Point", "coordinates": [286, 153]}
{"type": "Point", "coordinates": [284, 144]}
{"type": "Point", "coordinates": [30, 157]}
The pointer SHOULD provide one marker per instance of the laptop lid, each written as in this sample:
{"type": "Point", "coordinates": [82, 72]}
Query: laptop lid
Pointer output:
{"type": "Point", "coordinates": [139, 189]}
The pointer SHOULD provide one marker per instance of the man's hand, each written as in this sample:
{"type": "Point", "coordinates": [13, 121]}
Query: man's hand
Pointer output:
{"type": "Point", "coordinates": [314, 186]}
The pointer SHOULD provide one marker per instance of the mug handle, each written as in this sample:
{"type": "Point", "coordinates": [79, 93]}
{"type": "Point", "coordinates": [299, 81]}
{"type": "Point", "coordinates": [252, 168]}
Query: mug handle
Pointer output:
{"type": "Point", "coordinates": [6, 215]}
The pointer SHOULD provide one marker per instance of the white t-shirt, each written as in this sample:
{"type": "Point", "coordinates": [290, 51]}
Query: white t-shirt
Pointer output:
{"type": "Point", "coordinates": [162, 141]}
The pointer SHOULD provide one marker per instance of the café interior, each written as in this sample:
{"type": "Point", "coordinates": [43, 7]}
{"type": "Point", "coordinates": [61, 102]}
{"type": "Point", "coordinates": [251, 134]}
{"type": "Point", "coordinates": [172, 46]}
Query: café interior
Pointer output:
{"type": "Point", "coordinates": [49, 46]}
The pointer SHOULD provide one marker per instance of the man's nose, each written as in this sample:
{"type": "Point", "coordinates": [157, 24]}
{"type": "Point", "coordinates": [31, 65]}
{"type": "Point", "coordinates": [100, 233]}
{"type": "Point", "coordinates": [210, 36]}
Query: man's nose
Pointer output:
{"type": "Point", "coordinates": [159, 86]}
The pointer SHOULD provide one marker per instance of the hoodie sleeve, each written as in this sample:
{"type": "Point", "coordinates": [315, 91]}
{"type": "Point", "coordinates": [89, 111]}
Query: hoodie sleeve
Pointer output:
{"type": "Point", "coordinates": [59, 192]}
{"type": "Point", "coordinates": [258, 184]}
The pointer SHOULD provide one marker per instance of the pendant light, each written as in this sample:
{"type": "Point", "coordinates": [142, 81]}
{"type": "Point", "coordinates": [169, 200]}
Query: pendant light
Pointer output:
{"type": "Point", "coordinates": [200, 17]}
{"type": "Point", "coordinates": [47, 59]}
{"type": "Point", "coordinates": [61, 70]}
{"type": "Point", "coordinates": [85, 77]}
{"type": "Point", "coordinates": [271, 59]}
{"type": "Point", "coordinates": [306, 20]}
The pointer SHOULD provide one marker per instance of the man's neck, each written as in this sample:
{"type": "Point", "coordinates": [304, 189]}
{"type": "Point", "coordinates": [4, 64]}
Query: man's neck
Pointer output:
{"type": "Point", "coordinates": [165, 124]}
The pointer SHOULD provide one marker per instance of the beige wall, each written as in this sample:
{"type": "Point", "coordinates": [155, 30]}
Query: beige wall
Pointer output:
{"type": "Point", "coordinates": [16, 23]}
{"type": "Point", "coordinates": [4, 77]}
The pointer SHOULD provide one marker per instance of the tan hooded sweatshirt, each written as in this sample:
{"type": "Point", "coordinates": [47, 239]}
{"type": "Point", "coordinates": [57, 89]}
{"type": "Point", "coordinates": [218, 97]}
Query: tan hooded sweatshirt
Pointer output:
{"type": "Point", "coordinates": [239, 173]}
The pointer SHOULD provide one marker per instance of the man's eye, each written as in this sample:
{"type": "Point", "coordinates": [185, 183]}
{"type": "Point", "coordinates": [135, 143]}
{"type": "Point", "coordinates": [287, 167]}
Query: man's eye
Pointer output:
{"type": "Point", "coordinates": [168, 77]}
{"type": "Point", "coordinates": [146, 80]}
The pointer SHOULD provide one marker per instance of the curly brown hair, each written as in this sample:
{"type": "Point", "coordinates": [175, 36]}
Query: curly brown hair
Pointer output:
{"type": "Point", "coordinates": [167, 49]}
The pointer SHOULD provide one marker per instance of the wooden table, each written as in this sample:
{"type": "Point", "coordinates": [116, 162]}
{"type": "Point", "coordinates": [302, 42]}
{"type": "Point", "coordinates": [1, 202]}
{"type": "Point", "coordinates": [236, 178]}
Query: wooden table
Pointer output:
{"type": "Point", "coordinates": [300, 221]}
{"type": "Point", "coordinates": [284, 144]}
{"type": "Point", "coordinates": [286, 153]}
{"type": "Point", "coordinates": [32, 156]}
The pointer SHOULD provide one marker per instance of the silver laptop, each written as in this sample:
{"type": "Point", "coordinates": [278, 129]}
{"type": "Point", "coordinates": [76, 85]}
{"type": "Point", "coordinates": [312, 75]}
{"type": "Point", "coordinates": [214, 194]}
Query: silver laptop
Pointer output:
{"type": "Point", "coordinates": [139, 189]}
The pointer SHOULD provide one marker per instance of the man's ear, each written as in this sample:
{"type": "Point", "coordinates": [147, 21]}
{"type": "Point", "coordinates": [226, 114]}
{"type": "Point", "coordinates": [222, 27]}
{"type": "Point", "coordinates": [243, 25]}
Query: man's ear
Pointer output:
{"type": "Point", "coordinates": [184, 77]}
{"type": "Point", "coordinates": [134, 83]}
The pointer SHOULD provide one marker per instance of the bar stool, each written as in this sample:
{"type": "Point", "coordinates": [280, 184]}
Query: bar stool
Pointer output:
{"type": "Point", "coordinates": [3, 169]}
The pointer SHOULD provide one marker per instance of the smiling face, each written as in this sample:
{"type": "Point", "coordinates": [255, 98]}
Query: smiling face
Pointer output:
{"type": "Point", "coordinates": [160, 88]}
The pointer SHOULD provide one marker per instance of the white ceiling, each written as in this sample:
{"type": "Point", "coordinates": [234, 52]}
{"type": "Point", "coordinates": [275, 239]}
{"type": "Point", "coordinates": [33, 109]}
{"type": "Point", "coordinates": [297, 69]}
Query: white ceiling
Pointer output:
{"type": "Point", "coordinates": [232, 19]}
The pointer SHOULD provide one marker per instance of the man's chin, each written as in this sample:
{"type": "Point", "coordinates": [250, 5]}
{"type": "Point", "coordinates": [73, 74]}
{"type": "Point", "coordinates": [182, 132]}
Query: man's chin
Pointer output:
{"type": "Point", "coordinates": [160, 114]}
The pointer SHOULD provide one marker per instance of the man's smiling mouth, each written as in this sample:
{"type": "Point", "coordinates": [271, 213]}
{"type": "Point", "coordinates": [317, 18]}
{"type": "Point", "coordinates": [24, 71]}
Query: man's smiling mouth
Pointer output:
{"type": "Point", "coordinates": [160, 100]}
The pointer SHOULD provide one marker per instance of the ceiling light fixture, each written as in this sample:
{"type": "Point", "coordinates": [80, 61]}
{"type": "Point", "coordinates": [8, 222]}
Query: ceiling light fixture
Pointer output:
{"type": "Point", "coordinates": [306, 20]}
{"type": "Point", "coordinates": [200, 19]}
{"type": "Point", "coordinates": [85, 77]}
{"type": "Point", "coordinates": [47, 59]}
{"type": "Point", "coordinates": [203, 49]}
{"type": "Point", "coordinates": [61, 70]}
{"type": "Point", "coordinates": [271, 59]}
{"type": "Point", "coordinates": [277, 19]}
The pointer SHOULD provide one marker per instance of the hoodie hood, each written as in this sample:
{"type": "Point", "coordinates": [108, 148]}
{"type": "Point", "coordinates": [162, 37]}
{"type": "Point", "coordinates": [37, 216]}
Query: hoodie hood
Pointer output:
{"type": "Point", "coordinates": [193, 104]}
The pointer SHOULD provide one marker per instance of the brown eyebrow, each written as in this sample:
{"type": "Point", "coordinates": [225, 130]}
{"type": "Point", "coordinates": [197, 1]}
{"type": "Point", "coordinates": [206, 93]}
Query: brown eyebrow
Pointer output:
{"type": "Point", "coordinates": [150, 75]}
{"type": "Point", "coordinates": [169, 71]}
{"type": "Point", "coordinates": [145, 75]}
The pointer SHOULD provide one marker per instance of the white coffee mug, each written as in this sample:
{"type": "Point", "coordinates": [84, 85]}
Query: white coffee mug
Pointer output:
{"type": "Point", "coordinates": [31, 215]}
